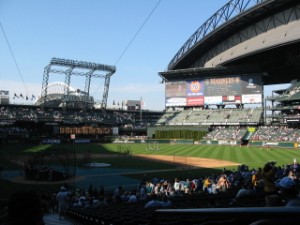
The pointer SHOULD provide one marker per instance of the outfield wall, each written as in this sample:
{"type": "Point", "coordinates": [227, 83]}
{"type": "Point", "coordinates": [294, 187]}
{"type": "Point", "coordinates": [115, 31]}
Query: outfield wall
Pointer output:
{"type": "Point", "coordinates": [155, 141]}
{"type": "Point", "coordinates": [254, 143]}
{"type": "Point", "coordinates": [274, 144]}
{"type": "Point", "coordinates": [213, 142]}
{"type": "Point", "coordinates": [221, 142]}
{"type": "Point", "coordinates": [171, 141]}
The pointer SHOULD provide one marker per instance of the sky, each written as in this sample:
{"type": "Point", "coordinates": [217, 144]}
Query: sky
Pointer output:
{"type": "Point", "coordinates": [138, 37]}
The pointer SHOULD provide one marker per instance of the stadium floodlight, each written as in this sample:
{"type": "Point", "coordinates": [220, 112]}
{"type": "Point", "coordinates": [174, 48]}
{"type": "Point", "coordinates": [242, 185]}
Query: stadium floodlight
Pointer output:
{"type": "Point", "coordinates": [82, 64]}
{"type": "Point", "coordinates": [68, 68]}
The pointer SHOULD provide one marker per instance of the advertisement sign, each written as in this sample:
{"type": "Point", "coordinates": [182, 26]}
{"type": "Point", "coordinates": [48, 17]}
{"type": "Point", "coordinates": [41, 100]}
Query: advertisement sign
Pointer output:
{"type": "Point", "coordinates": [214, 100]}
{"type": "Point", "coordinates": [222, 86]}
{"type": "Point", "coordinates": [252, 99]}
{"type": "Point", "coordinates": [217, 90]}
{"type": "Point", "coordinates": [195, 88]}
{"type": "Point", "coordinates": [195, 101]}
{"type": "Point", "coordinates": [176, 101]}
{"type": "Point", "coordinates": [176, 89]}
{"type": "Point", "coordinates": [251, 129]}
{"type": "Point", "coordinates": [231, 99]}
{"type": "Point", "coordinates": [251, 84]}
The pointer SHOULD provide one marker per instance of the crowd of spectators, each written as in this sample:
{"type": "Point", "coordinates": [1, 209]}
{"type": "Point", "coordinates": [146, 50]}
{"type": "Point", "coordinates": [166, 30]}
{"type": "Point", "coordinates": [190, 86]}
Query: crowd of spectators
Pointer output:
{"type": "Point", "coordinates": [278, 133]}
{"type": "Point", "coordinates": [228, 116]}
{"type": "Point", "coordinates": [261, 133]}
{"type": "Point", "coordinates": [278, 185]}
{"type": "Point", "coordinates": [269, 186]}
{"type": "Point", "coordinates": [222, 133]}
{"type": "Point", "coordinates": [72, 116]}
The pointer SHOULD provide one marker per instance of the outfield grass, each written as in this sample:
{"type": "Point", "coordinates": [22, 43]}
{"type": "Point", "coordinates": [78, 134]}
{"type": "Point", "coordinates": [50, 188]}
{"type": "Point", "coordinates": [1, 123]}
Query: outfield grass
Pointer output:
{"type": "Point", "coordinates": [254, 157]}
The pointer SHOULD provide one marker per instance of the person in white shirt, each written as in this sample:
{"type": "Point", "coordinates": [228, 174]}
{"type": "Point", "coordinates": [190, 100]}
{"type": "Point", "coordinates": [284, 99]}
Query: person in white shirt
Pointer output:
{"type": "Point", "coordinates": [63, 200]}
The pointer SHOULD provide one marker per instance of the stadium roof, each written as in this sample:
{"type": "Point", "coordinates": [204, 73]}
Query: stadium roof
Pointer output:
{"type": "Point", "coordinates": [280, 63]}
{"type": "Point", "coordinates": [191, 73]}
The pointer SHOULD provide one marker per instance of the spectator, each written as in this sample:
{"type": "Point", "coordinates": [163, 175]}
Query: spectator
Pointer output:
{"type": "Point", "coordinates": [292, 175]}
{"type": "Point", "coordinates": [269, 178]}
{"type": "Point", "coordinates": [176, 185]}
{"type": "Point", "coordinates": [289, 191]}
{"type": "Point", "coordinates": [207, 184]}
{"type": "Point", "coordinates": [132, 197]}
{"type": "Point", "coordinates": [154, 202]}
{"type": "Point", "coordinates": [213, 189]}
{"type": "Point", "coordinates": [223, 183]}
{"type": "Point", "coordinates": [246, 191]}
{"type": "Point", "coordinates": [63, 199]}
{"type": "Point", "coordinates": [142, 192]}
{"type": "Point", "coordinates": [165, 201]}
{"type": "Point", "coordinates": [257, 179]}
{"type": "Point", "coordinates": [187, 186]}
{"type": "Point", "coordinates": [25, 208]}
{"type": "Point", "coordinates": [90, 203]}
{"type": "Point", "coordinates": [117, 194]}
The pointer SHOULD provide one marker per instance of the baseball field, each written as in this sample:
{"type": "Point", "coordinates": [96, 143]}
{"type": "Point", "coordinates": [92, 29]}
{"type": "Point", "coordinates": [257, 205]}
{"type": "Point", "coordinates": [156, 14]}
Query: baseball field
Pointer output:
{"type": "Point", "coordinates": [134, 160]}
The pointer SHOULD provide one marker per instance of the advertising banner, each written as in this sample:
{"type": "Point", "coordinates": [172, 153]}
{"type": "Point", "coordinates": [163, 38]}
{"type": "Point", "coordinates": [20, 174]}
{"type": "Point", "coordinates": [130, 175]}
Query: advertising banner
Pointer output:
{"type": "Point", "coordinates": [176, 101]}
{"type": "Point", "coordinates": [215, 90]}
{"type": "Point", "coordinates": [222, 86]}
{"type": "Point", "coordinates": [214, 100]}
{"type": "Point", "coordinates": [195, 101]}
{"type": "Point", "coordinates": [231, 99]}
{"type": "Point", "coordinates": [195, 88]}
{"type": "Point", "coordinates": [252, 99]}
{"type": "Point", "coordinates": [252, 84]}
{"type": "Point", "coordinates": [176, 89]}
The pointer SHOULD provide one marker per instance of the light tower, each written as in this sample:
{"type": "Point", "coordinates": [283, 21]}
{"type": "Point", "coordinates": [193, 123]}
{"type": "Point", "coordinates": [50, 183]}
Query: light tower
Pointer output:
{"type": "Point", "coordinates": [78, 68]}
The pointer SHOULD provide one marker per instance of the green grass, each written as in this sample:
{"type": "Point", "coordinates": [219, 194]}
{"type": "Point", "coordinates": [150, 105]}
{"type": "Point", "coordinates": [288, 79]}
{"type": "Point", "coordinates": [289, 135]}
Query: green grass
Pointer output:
{"type": "Point", "coordinates": [253, 156]}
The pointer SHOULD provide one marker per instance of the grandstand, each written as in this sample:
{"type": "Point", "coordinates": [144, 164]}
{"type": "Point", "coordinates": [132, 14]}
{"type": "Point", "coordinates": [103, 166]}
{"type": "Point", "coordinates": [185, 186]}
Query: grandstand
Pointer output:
{"type": "Point", "coordinates": [285, 105]}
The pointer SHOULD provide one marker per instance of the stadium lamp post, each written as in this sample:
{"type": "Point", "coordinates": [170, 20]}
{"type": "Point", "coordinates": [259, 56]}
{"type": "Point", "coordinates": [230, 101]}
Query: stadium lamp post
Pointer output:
{"type": "Point", "coordinates": [73, 137]}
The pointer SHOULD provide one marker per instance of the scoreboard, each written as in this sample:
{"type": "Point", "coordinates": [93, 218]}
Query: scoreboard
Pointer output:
{"type": "Point", "coordinates": [246, 89]}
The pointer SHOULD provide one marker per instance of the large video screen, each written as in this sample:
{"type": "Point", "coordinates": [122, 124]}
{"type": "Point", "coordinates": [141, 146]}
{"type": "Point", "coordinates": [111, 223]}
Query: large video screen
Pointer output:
{"type": "Point", "coordinates": [245, 89]}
